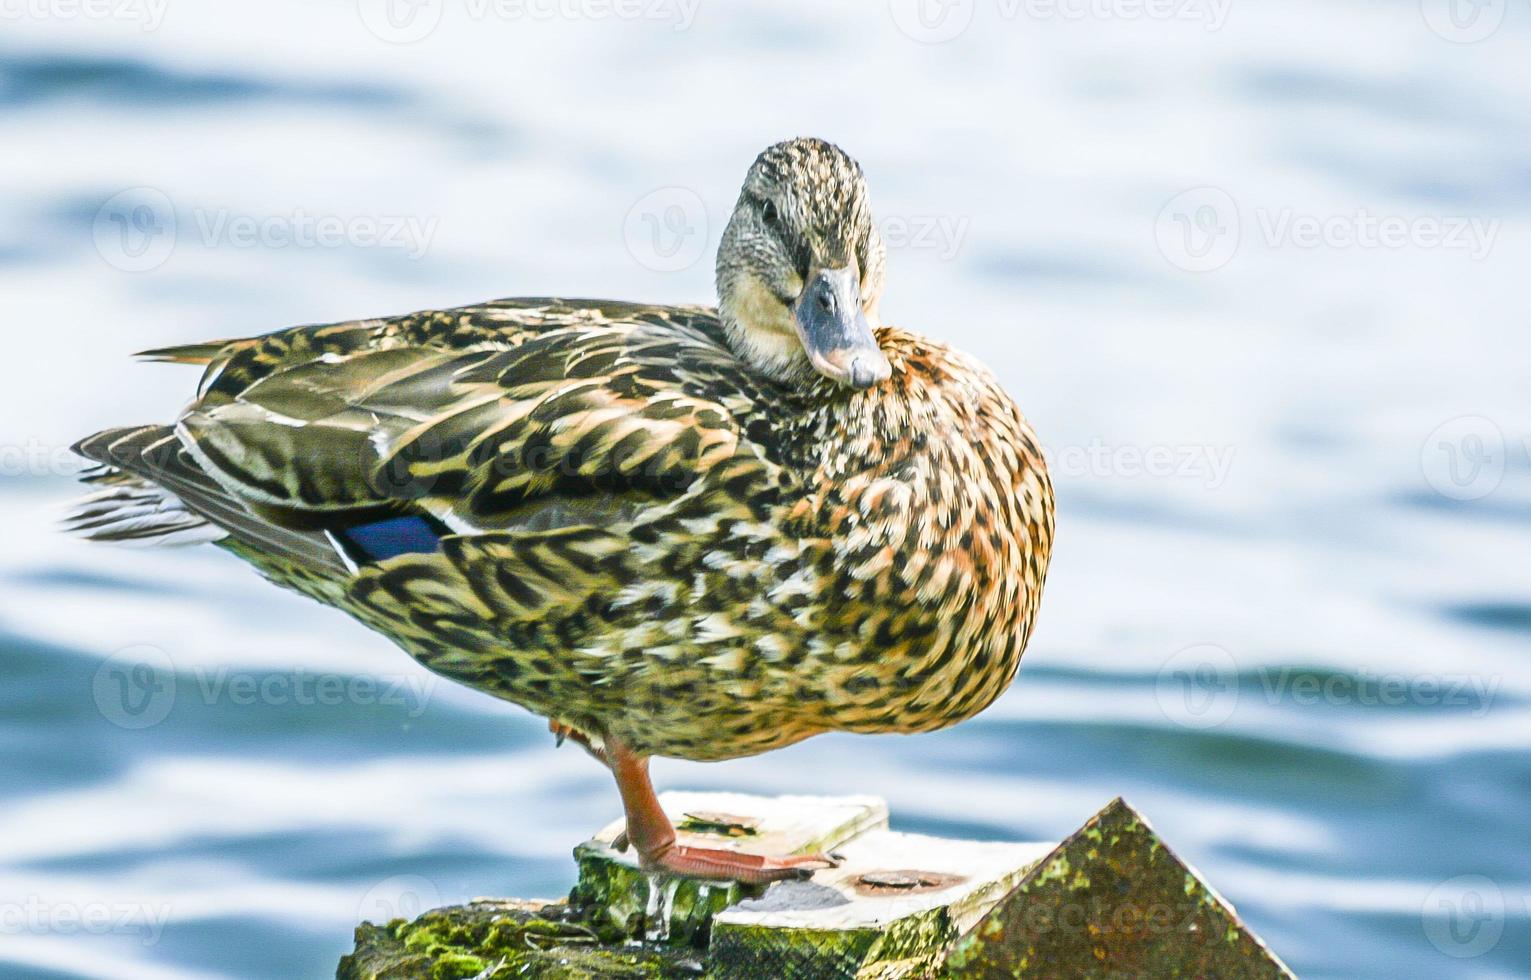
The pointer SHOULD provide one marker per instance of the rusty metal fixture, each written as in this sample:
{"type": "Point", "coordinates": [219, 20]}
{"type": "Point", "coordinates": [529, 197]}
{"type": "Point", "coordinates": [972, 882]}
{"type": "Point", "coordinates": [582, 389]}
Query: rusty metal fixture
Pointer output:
{"type": "Point", "coordinates": [720, 824]}
{"type": "Point", "coordinates": [904, 881]}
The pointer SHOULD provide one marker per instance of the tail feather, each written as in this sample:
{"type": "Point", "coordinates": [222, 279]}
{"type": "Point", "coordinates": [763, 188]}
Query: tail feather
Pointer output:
{"type": "Point", "coordinates": [130, 510]}
{"type": "Point", "coordinates": [185, 353]}
{"type": "Point", "coordinates": [155, 492]}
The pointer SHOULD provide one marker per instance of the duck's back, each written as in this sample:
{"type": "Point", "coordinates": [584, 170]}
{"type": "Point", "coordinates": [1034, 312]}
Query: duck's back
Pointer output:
{"type": "Point", "coordinates": [235, 365]}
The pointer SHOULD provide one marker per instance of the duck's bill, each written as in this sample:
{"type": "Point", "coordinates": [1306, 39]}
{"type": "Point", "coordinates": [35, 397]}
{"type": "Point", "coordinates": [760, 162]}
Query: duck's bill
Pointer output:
{"type": "Point", "coordinates": [835, 332]}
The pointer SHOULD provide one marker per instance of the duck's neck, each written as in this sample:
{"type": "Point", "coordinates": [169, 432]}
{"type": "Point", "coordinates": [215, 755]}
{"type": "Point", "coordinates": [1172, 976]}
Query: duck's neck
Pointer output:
{"type": "Point", "coordinates": [769, 345]}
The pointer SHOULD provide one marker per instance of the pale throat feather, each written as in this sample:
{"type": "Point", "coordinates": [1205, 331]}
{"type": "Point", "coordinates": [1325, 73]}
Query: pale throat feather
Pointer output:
{"type": "Point", "coordinates": [761, 328]}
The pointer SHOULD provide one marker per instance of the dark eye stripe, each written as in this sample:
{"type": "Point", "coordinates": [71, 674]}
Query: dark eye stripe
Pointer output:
{"type": "Point", "coordinates": [802, 255]}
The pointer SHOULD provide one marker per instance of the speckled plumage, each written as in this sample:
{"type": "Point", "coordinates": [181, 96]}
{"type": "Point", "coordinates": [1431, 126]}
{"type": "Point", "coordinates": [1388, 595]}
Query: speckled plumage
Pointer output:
{"type": "Point", "coordinates": [649, 540]}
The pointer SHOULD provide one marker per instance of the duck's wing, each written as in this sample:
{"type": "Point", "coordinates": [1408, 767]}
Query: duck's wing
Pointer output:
{"type": "Point", "coordinates": [587, 419]}
{"type": "Point", "coordinates": [495, 460]}
{"type": "Point", "coordinates": [501, 474]}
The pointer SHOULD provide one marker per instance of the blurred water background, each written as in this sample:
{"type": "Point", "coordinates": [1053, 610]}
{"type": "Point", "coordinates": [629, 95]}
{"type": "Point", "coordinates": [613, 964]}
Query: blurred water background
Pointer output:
{"type": "Point", "coordinates": [1255, 270]}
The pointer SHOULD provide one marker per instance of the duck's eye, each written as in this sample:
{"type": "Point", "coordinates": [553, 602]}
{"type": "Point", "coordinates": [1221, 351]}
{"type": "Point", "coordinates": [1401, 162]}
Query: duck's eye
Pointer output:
{"type": "Point", "coordinates": [768, 213]}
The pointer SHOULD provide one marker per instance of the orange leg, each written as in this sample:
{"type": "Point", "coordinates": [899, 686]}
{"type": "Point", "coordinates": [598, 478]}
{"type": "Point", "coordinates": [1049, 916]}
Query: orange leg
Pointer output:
{"type": "Point", "coordinates": [650, 832]}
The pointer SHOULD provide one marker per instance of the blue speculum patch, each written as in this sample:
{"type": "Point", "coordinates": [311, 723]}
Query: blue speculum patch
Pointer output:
{"type": "Point", "coordinates": [389, 538]}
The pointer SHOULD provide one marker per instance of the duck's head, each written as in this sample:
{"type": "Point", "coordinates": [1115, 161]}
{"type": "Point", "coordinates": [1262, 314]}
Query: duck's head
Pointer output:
{"type": "Point", "coordinates": [800, 268]}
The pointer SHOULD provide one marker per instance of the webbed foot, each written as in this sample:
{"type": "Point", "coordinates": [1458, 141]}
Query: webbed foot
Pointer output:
{"type": "Point", "coordinates": [713, 864]}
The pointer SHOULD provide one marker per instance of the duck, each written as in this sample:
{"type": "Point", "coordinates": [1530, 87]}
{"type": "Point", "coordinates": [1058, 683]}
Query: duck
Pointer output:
{"type": "Point", "coordinates": [680, 531]}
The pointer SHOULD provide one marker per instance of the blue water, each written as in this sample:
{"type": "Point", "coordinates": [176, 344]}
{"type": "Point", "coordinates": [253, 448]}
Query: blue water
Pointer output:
{"type": "Point", "coordinates": [1289, 612]}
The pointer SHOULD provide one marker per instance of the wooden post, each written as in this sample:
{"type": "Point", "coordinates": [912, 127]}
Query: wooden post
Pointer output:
{"type": "Point", "coordinates": [1111, 900]}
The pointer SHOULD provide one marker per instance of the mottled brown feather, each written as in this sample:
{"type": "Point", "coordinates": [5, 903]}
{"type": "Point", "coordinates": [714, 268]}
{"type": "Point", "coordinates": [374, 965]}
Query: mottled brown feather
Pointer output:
{"type": "Point", "coordinates": [650, 541]}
